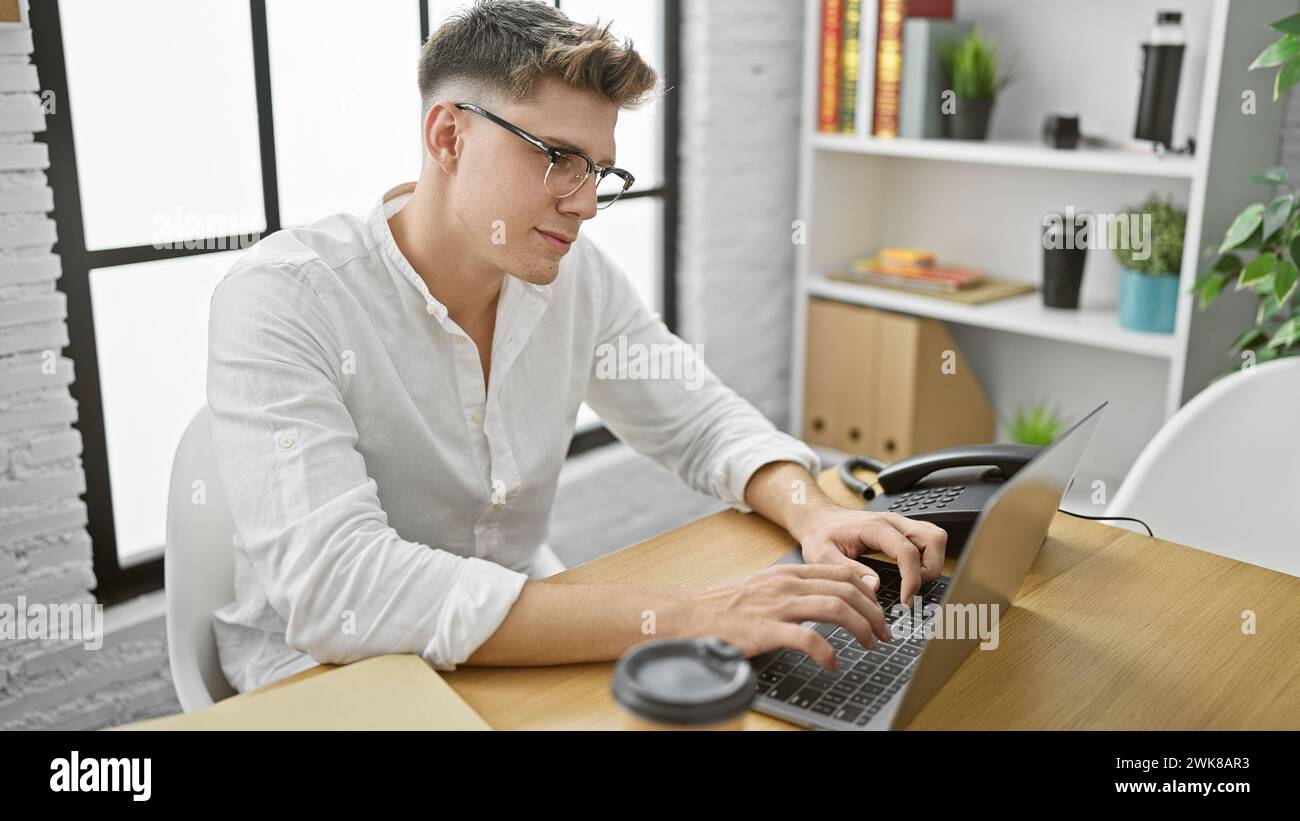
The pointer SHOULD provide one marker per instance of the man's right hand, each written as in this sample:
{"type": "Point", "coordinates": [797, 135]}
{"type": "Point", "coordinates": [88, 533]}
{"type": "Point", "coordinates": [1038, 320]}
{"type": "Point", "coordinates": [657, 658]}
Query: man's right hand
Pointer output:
{"type": "Point", "coordinates": [763, 611]}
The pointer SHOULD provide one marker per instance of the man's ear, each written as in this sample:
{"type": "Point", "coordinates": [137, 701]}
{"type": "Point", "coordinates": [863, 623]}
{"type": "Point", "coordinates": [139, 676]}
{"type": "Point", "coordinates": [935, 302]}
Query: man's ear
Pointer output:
{"type": "Point", "coordinates": [443, 134]}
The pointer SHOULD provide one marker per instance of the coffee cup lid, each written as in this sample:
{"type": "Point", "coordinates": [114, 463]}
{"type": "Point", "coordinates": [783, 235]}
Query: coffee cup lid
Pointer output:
{"type": "Point", "coordinates": [684, 681]}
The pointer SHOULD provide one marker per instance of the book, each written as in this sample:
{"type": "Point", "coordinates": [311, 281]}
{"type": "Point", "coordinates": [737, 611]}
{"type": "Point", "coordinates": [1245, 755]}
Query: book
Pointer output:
{"type": "Point", "coordinates": [991, 290]}
{"type": "Point", "coordinates": [850, 53]}
{"type": "Point", "coordinates": [889, 56]}
{"type": "Point", "coordinates": [832, 28]}
{"type": "Point", "coordinates": [889, 60]}
{"type": "Point", "coordinates": [908, 282]}
{"type": "Point", "coordinates": [867, 67]}
{"type": "Point", "coordinates": [960, 277]}
{"type": "Point", "coordinates": [915, 257]}
{"type": "Point", "coordinates": [924, 76]}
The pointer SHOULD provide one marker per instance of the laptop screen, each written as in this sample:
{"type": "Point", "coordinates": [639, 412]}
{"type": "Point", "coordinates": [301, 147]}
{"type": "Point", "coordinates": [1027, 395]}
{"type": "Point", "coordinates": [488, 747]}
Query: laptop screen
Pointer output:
{"type": "Point", "coordinates": [1001, 549]}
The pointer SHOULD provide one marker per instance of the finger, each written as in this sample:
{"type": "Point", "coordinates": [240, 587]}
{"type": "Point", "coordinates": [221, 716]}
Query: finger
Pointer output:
{"type": "Point", "coordinates": [841, 568]}
{"type": "Point", "coordinates": [823, 553]}
{"type": "Point", "coordinates": [804, 639]}
{"type": "Point", "coordinates": [831, 609]}
{"type": "Point", "coordinates": [881, 533]}
{"type": "Point", "coordinates": [853, 596]}
{"type": "Point", "coordinates": [929, 537]}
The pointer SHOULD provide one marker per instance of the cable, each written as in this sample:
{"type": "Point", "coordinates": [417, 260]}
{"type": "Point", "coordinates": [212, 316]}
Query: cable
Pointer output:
{"type": "Point", "coordinates": [1110, 519]}
{"type": "Point", "coordinates": [855, 484]}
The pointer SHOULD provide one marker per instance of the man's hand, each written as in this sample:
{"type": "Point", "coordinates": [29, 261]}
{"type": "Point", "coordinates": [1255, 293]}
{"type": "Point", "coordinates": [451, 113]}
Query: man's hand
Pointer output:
{"type": "Point", "coordinates": [836, 535]}
{"type": "Point", "coordinates": [764, 611]}
{"type": "Point", "coordinates": [788, 495]}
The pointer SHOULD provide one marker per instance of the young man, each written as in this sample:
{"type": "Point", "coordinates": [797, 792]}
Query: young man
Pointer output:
{"type": "Point", "coordinates": [392, 399]}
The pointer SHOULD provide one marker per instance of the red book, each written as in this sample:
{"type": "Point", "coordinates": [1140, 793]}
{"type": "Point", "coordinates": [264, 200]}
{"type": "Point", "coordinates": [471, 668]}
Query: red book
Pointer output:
{"type": "Point", "coordinates": [832, 36]}
{"type": "Point", "coordinates": [889, 55]}
{"type": "Point", "coordinates": [960, 277]}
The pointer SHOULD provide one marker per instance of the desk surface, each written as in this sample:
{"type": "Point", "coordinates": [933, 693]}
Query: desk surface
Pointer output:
{"type": "Point", "coordinates": [1112, 630]}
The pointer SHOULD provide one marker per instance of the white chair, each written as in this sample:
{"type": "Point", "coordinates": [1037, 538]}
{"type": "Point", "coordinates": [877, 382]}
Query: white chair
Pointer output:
{"type": "Point", "coordinates": [1223, 475]}
{"type": "Point", "coordinates": [198, 567]}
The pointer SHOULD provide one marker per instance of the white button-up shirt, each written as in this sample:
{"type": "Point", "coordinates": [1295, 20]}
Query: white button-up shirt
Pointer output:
{"type": "Point", "coordinates": [383, 501]}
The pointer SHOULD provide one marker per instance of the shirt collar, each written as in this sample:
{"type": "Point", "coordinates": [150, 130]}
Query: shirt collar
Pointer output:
{"type": "Point", "coordinates": [390, 203]}
{"type": "Point", "coordinates": [521, 303]}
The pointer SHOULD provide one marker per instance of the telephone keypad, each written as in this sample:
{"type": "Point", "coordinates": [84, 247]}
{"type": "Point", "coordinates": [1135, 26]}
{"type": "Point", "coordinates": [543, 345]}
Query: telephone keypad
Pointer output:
{"type": "Point", "coordinates": [935, 498]}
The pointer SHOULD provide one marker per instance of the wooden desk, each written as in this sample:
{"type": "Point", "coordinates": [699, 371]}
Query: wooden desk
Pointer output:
{"type": "Point", "coordinates": [1112, 630]}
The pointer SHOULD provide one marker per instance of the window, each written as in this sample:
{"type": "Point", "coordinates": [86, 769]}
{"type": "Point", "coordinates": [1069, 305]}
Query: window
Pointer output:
{"type": "Point", "coordinates": [345, 115]}
{"type": "Point", "coordinates": [160, 177]}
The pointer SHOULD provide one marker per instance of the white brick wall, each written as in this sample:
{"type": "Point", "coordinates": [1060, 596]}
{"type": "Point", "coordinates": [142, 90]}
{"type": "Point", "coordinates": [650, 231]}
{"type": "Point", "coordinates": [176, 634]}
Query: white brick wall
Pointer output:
{"type": "Point", "coordinates": [45, 552]}
{"type": "Point", "coordinates": [739, 169]}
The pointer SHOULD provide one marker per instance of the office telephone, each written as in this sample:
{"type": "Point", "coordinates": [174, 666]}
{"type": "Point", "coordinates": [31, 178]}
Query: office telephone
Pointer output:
{"type": "Point", "coordinates": [948, 487]}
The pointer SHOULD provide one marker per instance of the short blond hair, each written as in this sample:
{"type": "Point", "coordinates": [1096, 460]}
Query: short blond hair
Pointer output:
{"type": "Point", "coordinates": [501, 48]}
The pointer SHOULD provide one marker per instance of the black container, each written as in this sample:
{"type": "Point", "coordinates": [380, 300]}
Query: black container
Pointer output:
{"type": "Point", "coordinates": [970, 121]}
{"type": "Point", "coordinates": [1063, 265]}
{"type": "Point", "coordinates": [684, 683]}
{"type": "Point", "coordinates": [1155, 120]}
{"type": "Point", "coordinates": [1062, 131]}
{"type": "Point", "coordinates": [1162, 67]}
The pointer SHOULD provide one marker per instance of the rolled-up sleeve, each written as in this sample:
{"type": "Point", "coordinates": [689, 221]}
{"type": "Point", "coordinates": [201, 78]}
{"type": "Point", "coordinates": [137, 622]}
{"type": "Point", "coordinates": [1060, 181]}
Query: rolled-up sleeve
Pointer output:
{"type": "Point", "coordinates": [306, 512]}
{"type": "Point", "coordinates": [655, 393]}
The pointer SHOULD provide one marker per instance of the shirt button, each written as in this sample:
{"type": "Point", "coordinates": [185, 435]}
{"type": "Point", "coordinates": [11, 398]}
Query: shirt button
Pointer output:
{"type": "Point", "coordinates": [431, 309]}
{"type": "Point", "coordinates": [478, 417]}
{"type": "Point", "coordinates": [287, 442]}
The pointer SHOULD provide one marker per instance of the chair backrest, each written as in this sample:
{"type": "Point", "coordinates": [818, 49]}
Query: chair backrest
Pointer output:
{"type": "Point", "coordinates": [1223, 475]}
{"type": "Point", "coordinates": [198, 567]}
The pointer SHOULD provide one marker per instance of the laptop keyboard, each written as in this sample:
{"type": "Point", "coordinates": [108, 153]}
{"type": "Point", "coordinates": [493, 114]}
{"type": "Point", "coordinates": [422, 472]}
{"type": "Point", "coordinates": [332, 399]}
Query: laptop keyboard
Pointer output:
{"type": "Point", "coordinates": [866, 679]}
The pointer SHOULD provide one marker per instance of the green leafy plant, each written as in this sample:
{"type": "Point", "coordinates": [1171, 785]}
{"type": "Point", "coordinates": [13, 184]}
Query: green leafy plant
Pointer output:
{"type": "Point", "coordinates": [1037, 423]}
{"type": "Point", "coordinates": [1164, 243]}
{"type": "Point", "coordinates": [1259, 253]}
{"type": "Point", "coordinates": [1261, 250]}
{"type": "Point", "coordinates": [1284, 55]}
{"type": "Point", "coordinates": [972, 64]}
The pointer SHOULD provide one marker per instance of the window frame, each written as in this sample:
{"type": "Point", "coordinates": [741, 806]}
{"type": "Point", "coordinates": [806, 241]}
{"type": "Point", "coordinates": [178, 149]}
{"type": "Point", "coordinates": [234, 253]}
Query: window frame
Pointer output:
{"type": "Point", "coordinates": [115, 583]}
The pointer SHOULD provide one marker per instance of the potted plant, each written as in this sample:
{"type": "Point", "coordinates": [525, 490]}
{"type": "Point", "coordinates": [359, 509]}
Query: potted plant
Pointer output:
{"type": "Point", "coordinates": [1037, 423]}
{"type": "Point", "coordinates": [1148, 294]}
{"type": "Point", "coordinates": [1262, 247]}
{"type": "Point", "coordinates": [972, 66]}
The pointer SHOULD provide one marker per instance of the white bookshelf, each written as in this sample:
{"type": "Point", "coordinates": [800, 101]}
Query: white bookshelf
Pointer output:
{"type": "Point", "coordinates": [1025, 315]}
{"type": "Point", "coordinates": [1016, 154]}
{"type": "Point", "coordinates": [982, 205]}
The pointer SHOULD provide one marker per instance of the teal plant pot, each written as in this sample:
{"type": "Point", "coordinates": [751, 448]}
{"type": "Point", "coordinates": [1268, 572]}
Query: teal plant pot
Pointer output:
{"type": "Point", "coordinates": [1147, 302]}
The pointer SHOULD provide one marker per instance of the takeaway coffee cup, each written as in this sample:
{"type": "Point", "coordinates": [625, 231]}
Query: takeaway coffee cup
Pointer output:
{"type": "Point", "coordinates": [684, 684]}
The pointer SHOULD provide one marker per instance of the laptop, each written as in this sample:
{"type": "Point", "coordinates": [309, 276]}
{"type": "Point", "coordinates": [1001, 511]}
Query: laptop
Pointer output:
{"type": "Point", "coordinates": [885, 688]}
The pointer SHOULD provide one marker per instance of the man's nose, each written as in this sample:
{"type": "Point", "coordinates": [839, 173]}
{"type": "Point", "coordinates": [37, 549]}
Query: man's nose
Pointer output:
{"type": "Point", "coordinates": [581, 203]}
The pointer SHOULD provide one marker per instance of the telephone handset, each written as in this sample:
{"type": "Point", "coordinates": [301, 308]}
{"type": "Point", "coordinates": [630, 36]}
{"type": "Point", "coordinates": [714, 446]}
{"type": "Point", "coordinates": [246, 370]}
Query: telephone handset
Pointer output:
{"type": "Point", "coordinates": [948, 487]}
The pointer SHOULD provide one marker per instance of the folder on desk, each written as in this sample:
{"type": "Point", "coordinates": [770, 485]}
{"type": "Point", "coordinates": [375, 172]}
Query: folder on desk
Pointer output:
{"type": "Point", "coordinates": [399, 692]}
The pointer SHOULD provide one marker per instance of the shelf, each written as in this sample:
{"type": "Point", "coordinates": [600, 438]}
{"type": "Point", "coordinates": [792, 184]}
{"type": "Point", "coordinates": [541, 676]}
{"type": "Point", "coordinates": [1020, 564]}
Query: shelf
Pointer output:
{"type": "Point", "coordinates": [1093, 327]}
{"type": "Point", "coordinates": [1015, 154]}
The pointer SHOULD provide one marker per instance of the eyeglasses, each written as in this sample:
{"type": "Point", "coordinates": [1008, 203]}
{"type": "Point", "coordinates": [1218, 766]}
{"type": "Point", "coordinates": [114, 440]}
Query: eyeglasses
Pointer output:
{"type": "Point", "coordinates": [569, 168]}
